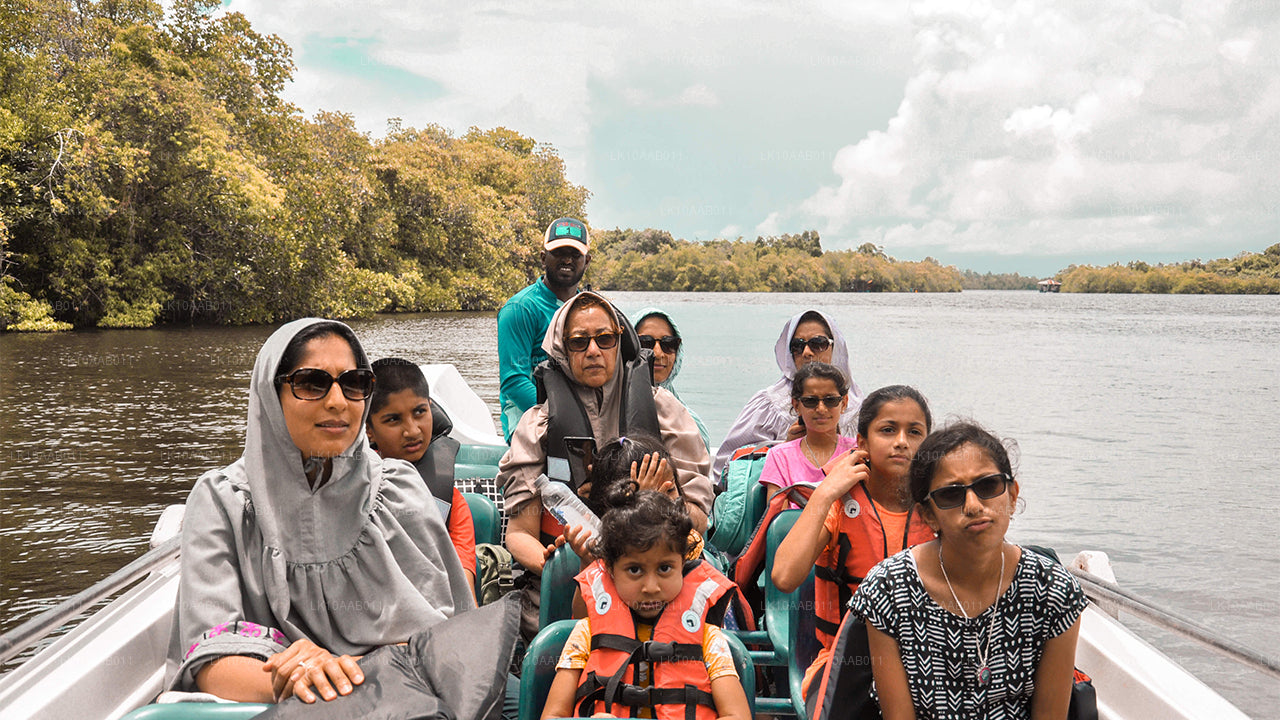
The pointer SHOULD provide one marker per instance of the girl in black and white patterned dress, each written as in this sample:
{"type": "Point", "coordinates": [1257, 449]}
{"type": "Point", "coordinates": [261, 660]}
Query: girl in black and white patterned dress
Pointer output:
{"type": "Point", "coordinates": [969, 626]}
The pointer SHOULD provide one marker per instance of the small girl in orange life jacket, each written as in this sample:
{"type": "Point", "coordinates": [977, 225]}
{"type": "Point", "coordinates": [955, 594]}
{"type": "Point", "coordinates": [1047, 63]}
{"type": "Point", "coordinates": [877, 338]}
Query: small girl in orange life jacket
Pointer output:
{"type": "Point", "coordinates": [648, 621]}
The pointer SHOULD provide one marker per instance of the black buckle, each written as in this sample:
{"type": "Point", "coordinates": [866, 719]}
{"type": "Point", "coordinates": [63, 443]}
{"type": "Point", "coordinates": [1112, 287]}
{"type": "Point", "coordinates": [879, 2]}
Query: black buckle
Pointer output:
{"type": "Point", "coordinates": [659, 651]}
{"type": "Point", "coordinates": [633, 696]}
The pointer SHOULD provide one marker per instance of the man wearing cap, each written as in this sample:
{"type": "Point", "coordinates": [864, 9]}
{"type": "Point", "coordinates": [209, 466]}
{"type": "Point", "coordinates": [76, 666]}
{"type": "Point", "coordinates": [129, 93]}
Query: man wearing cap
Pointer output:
{"type": "Point", "coordinates": [523, 320]}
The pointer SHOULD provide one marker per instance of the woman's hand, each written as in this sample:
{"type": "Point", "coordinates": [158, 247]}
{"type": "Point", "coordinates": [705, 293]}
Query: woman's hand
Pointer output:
{"type": "Point", "coordinates": [653, 473]}
{"type": "Point", "coordinates": [581, 541]}
{"type": "Point", "coordinates": [795, 432]}
{"type": "Point", "coordinates": [306, 665]}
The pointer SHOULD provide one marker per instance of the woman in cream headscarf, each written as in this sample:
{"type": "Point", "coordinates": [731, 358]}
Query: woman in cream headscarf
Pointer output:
{"type": "Point", "coordinates": [309, 550]}
{"type": "Point", "coordinates": [767, 417]}
{"type": "Point", "coordinates": [594, 375]}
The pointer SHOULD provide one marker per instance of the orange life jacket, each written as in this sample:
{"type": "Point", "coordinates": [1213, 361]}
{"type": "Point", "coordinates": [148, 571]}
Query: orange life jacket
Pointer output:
{"type": "Point", "coordinates": [859, 546]}
{"type": "Point", "coordinates": [680, 688]}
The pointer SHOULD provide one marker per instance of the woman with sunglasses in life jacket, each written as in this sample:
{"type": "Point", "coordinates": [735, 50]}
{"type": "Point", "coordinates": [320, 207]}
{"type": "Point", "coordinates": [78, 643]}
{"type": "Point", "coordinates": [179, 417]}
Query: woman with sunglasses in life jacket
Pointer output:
{"type": "Point", "coordinates": [596, 386]}
{"type": "Point", "coordinates": [969, 625]}
{"type": "Point", "coordinates": [767, 417]}
{"type": "Point", "coordinates": [310, 550]}
{"type": "Point", "coordinates": [658, 332]}
{"type": "Point", "coordinates": [859, 514]}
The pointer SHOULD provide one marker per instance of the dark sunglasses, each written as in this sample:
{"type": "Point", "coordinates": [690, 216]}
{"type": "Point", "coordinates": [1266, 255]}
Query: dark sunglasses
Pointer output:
{"type": "Point", "coordinates": [811, 401]}
{"type": "Point", "coordinates": [314, 383]}
{"type": "Point", "coordinates": [670, 343]}
{"type": "Point", "coordinates": [817, 343]}
{"type": "Point", "coordinates": [579, 343]}
{"type": "Point", "coordinates": [953, 496]}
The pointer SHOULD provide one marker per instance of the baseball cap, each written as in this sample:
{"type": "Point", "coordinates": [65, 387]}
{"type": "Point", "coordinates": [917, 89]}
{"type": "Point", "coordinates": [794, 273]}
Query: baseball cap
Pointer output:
{"type": "Point", "coordinates": [567, 232]}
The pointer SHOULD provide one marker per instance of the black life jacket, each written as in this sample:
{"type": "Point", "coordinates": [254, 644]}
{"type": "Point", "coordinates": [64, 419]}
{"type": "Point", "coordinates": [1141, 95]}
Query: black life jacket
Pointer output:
{"type": "Point", "coordinates": [569, 434]}
{"type": "Point", "coordinates": [436, 464]}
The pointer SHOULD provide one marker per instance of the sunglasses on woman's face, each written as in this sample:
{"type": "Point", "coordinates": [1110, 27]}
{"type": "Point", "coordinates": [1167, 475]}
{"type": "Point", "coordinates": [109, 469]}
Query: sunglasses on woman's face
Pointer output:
{"type": "Point", "coordinates": [811, 401]}
{"type": "Point", "coordinates": [670, 343]}
{"type": "Point", "coordinates": [314, 383]}
{"type": "Point", "coordinates": [953, 496]}
{"type": "Point", "coordinates": [579, 343]}
{"type": "Point", "coordinates": [817, 343]}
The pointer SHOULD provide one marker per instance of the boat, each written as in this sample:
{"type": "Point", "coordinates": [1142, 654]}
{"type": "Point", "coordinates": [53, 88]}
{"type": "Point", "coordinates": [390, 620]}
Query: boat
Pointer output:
{"type": "Point", "coordinates": [113, 661]}
{"type": "Point", "coordinates": [1049, 285]}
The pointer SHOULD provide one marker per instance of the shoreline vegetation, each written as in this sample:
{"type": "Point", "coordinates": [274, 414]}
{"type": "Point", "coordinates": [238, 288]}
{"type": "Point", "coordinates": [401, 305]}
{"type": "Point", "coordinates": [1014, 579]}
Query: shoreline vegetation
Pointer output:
{"type": "Point", "coordinates": [151, 173]}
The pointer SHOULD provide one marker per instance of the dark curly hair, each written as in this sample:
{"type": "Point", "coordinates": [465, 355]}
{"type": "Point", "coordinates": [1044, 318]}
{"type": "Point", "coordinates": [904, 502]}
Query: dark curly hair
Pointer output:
{"type": "Point", "coordinates": [639, 520]}
{"type": "Point", "coordinates": [611, 468]}
{"type": "Point", "coordinates": [946, 441]}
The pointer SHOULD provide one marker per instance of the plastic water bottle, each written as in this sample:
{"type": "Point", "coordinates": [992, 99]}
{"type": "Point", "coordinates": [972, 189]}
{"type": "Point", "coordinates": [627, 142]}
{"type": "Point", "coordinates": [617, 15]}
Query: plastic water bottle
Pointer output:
{"type": "Point", "coordinates": [565, 505]}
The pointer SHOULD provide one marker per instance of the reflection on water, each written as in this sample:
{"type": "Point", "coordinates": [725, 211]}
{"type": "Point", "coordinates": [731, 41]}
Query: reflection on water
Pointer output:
{"type": "Point", "coordinates": [1146, 428]}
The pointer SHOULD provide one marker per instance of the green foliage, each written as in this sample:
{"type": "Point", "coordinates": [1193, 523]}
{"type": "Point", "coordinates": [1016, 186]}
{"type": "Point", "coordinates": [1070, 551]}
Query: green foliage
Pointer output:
{"type": "Point", "coordinates": [1245, 274]}
{"type": "Point", "coordinates": [150, 172]}
{"type": "Point", "coordinates": [652, 260]}
{"type": "Point", "coordinates": [997, 281]}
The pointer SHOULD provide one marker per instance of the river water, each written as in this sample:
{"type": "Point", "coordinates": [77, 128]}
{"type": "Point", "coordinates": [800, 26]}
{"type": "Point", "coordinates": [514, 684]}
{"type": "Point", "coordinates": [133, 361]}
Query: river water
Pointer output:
{"type": "Point", "coordinates": [1147, 426]}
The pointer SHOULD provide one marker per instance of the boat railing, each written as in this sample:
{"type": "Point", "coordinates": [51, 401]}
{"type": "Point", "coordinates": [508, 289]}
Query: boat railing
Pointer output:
{"type": "Point", "coordinates": [32, 631]}
{"type": "Point", "coordinates": [1108, 593]}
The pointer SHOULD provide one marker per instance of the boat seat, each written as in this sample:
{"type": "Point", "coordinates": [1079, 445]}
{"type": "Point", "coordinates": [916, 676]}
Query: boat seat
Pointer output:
{"type": "Point", "coordinates": [484, 518]}
{"type": "Point", "coordinates": [481, 454]}
{"type": "Point", "coordinates": [557, 586]}
{"type": "Point", "coordinates": [198, 711]}
{"type": "Point", "coordinates": [544, 652]}
{"type": "Point", "coordinates": [781, 646]}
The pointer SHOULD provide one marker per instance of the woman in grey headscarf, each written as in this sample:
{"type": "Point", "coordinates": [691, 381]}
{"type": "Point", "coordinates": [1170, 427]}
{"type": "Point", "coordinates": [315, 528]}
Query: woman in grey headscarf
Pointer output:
{"type": "Point", "coordinates": [767, 417]}
{"type": "Point", "coordinates": [658, 332]}
{"type": "Point", "coordinates": [310, 550]}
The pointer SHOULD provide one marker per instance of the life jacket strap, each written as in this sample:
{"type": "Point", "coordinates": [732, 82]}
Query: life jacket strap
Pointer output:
{"type": "Point", "coordinates": [648, 651]}
{"type": "Point", "coordinates": [594, 690]}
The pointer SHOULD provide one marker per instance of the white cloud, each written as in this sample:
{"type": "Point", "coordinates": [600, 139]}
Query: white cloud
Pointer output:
{"type": "Point", "coordinates": [531, 66]}
{"type": "Point", "coordinates": [698, 95]}
{"type": "Point", "coordinates": [1034, 127]}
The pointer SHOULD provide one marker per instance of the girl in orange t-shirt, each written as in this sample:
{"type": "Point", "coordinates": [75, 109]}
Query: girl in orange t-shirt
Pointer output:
{"type": "Point", "coordinates": [860, 513]}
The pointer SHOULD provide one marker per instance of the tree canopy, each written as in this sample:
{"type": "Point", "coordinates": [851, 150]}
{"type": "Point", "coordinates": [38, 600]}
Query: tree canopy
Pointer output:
{"type": "Point", "coordinates": [653, 260]}
{"type": "Point", "coordinates": [151, 172]}
{"type": "Point", "coordinates": [1246, 273]}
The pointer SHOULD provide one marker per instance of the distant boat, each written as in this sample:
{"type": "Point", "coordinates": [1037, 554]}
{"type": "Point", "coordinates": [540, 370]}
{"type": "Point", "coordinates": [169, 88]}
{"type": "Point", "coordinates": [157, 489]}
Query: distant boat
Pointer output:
{"type": "Point", "coordinates": [1049, 285]}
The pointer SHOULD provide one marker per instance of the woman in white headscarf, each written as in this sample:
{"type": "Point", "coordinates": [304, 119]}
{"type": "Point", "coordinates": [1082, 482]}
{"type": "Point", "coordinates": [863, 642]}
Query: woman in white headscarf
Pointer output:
{"type": "Point", "coordinates": [310, 550]}
{"type": "Point", "coordinates": [767, 417]}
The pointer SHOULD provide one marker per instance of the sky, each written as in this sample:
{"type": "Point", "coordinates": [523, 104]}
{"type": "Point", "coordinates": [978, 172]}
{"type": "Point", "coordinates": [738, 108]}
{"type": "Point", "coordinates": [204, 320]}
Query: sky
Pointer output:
{"type": "Point", "coordinates": [1019, 136]}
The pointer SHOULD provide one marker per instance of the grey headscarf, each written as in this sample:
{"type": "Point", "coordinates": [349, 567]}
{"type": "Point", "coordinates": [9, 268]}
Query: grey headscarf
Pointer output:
{"type": "Point", "coordinates": [361, 560]}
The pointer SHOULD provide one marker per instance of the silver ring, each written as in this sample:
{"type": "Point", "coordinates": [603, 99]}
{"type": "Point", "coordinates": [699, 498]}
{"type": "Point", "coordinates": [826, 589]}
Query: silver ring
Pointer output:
{"type": "Point", "coordinates": [303, 664]}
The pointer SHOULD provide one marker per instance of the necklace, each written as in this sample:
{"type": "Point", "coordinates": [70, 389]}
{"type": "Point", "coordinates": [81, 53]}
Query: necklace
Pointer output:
{"type": "Point", "coordinates": [807, 448]}
{"type": "Point", "coordinates": [984, 670]}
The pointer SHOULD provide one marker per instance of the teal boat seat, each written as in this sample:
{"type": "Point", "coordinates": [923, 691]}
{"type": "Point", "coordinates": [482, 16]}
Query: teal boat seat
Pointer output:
{"type": "Point", "coordinates": [781, 622]}
{"type": "Point", "coordinates": [481, 454]}
{"type": "Point", "coordinates": [198, 711]}
{"type": "Point", "coordinates": [484, 518]}
{"type": "Point", "coordinates": [470, 471]}
{"type": "Point", "coordinates": [544, 652]}
{"type": "Point", "coordinates": [557, 586]}
{"type": "Point", "coordinates": [540, 667]}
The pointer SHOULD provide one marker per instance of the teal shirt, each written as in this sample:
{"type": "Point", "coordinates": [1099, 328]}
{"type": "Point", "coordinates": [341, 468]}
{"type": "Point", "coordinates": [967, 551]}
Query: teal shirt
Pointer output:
{"type": "Point", "coordinates": [522, 323]}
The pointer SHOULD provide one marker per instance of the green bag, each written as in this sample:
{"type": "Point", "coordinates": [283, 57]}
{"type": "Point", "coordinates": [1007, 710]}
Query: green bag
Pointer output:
{"type": "Point", "coordinates": [731, 524]}
{"type": "Point", "coordinates": [493, 573]}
